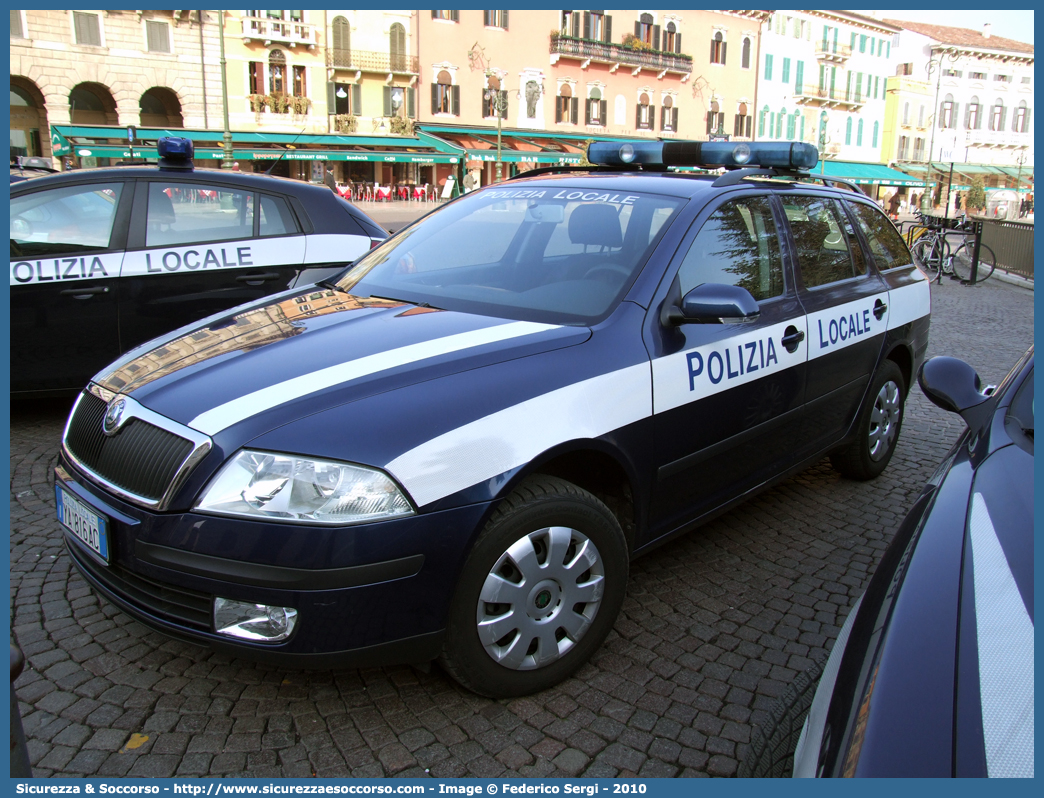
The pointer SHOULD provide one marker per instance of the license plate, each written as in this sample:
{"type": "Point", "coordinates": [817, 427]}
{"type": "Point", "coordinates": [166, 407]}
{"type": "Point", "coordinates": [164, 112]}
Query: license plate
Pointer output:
{"type": "Point", "coordinates": [89, 527]}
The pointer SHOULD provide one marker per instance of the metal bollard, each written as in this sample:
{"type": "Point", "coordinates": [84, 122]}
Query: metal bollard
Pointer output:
{"type": "Point", "coordinates": [20, 768]}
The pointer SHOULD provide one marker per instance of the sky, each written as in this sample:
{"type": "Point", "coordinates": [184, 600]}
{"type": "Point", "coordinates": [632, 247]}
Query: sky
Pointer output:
{"type": "Point", "coordinates": [1017, 25]}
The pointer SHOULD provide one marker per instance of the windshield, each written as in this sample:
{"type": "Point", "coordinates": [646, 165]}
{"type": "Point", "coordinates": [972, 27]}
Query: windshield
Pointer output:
{"type": "Point", "coordinates": [557, 255]}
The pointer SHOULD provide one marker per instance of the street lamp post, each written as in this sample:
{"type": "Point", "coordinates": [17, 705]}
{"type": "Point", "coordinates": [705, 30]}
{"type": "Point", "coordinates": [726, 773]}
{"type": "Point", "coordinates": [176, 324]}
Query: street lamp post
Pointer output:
{"type": "Point", "coordinates": [934, 65]}
{"type": "Point", "coordinates": [498, 101]}
{"type": "Point", "coordinates": [226, 139]}
{"type": "Point", "coordinates": [1018, 179]}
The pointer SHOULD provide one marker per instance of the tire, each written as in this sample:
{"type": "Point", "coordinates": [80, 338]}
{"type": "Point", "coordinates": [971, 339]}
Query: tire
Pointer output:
{"type": "Point", "coordinates": [877, 427]}
{"type": "Point", "coordinates": [771, 754]}
{"type": "Point", "coordinates": [962, 262]}
{"type": "Point", "coordinates": [557, 559]}
{"type": "Point", "coordinates": [932, 253]}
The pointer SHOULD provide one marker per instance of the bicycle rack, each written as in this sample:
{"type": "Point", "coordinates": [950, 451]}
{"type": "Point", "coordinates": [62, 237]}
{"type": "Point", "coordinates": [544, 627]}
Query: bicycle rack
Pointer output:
{"type": "Point", "coordinates": [948, 224]}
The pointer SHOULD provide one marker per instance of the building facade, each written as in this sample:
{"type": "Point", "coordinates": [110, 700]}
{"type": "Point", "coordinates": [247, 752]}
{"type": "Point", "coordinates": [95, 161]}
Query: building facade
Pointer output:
{"type": "Point", "coordinates": [822, 78]}
{"type": "Point", "coordinates": [961, 97]}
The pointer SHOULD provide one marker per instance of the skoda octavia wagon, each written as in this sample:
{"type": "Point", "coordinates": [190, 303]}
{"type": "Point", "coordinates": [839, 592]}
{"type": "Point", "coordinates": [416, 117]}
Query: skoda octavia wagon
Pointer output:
{"type": "Point", "coordinates": [453, 449]}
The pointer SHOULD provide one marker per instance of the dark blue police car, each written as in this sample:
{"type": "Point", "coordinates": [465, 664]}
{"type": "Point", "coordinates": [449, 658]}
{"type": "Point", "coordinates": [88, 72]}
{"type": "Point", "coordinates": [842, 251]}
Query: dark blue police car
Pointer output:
{"type": "Point", "coordinates": [105, 259]}
{"type": "Point", "coordinates": [453, 449]}
{"type": "Point", "coordinates": [932, 673]}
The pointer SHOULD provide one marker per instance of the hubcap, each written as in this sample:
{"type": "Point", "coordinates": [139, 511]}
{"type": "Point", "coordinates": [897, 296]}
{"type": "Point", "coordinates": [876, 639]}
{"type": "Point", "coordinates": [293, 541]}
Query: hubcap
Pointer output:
{"type": "Point", "coordinates": [884, 420]}
{"type": "Point", "coordinates": [540, 598]}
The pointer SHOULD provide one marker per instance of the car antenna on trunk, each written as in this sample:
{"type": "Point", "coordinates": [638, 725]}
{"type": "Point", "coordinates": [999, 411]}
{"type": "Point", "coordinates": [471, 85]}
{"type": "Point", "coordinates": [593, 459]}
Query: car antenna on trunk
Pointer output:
{"type": "Point", "coordinates": [286, 149]}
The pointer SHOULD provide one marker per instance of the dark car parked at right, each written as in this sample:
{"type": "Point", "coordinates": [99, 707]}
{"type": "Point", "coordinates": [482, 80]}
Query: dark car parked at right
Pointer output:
{"type": "Point", "coordinates": [932, 673]}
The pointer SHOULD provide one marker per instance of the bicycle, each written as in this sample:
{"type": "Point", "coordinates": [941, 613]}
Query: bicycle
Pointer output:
{"type": "Point", "coordinates": [931, 247]}
{"type": "Point", "coordinates": [960, 262]}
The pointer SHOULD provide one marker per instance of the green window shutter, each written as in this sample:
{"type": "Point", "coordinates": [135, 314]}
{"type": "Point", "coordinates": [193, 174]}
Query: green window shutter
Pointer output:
{"type": "Point", "coordinates": [799, 80]}
{"type": "Point", "coordinates": [873, 143]}
{"type": "Point", "coordinates": [848, 131]}
{"type": "Point", "coordinates": [411, 103]}
{"type": "Point", "coordinates": [801, 133]}
{"type": "Point", "coordinates": [455, 100]}
{"type": "Point", "coordinates": [785, 77]}
{"type": "Point", "coordinates": [768, 67]}
{"type": "Point", "coordinates": [356, 99]}
{"type": "Point", "coordinates": [387, 101]}
{"type": "Point", "coordinates": [859, 134]}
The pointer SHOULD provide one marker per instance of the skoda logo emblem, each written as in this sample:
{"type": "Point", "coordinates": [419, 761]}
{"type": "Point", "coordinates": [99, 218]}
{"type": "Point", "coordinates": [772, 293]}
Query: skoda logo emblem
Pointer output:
{"type": "Point", "coordinates": [114, 416]}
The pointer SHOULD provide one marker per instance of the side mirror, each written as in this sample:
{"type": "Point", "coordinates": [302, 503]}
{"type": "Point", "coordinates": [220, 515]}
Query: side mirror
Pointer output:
{"type": "Point", "coordinates": [954, 386]}
{"type": "Point", "coordinates": [714, 303]}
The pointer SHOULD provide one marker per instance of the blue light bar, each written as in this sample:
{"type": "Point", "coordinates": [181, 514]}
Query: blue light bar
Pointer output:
{"type": "Point", "coordinates": [707, 154]}
{"type": "Point", "coordinates": [175, 153]}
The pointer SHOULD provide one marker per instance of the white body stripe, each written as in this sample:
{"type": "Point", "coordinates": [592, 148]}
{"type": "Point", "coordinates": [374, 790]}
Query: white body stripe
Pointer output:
{"type": "Point", "coordinates": [335, 248]}
{"type": "Point", "coordinates": [1005, 642]}
{"type": "Point", "coordinates": [909, 303]}
{"type": "Point", "coordinates": [240, 254]}
{"type": "Point", "coordinates": [514, 436]}
{"type": "Point", "coordinates": [36, 271]}
{"type": "Point", "coordinates": [724, 364]}
{"type": "Point", "coordinates": [223, 416]}
{"type": "Point", "coordinates": [842, 326]}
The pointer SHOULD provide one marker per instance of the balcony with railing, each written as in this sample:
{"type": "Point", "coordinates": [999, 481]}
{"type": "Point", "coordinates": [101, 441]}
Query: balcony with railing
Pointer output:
{"type": "Point", "coordinates": [283, 31]}
{"type": "Point", "coordinates": [367, 61]}
{"type": "Point", "coordinates": [618, 54]}
{"type": "Point", "coordinates": [828, 98]}
{"type": "Point", "coordinates": [832, 52]}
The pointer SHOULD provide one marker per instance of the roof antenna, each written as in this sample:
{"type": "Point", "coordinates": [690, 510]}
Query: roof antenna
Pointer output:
{"type": "Point", "coordinates": [286, 149]}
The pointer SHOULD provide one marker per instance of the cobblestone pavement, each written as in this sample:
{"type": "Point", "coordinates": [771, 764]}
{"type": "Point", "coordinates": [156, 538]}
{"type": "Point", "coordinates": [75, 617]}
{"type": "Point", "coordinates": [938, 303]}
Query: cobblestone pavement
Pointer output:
{"type": "Point", "coordinates": [714, 626]}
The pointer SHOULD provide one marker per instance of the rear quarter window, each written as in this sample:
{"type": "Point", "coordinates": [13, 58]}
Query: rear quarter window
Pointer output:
{"type": "Point", "coordinates": [888, 248]}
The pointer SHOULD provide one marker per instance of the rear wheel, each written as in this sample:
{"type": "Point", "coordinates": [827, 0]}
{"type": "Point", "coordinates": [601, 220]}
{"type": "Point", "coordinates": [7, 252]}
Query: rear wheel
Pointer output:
{"type": "Point", "coordinates": [539, 592]}
{"type": "Point", "coordinates": [771, 754]}
{"type": "Point", "coordinates": [877, 427]}
{"type": "Point", "coordinates": [962, 262]}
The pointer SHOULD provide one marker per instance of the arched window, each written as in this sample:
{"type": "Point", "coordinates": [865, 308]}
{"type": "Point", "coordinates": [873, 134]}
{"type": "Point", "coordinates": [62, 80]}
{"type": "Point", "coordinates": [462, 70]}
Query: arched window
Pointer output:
{"type": "Point", "coordinates": [873, 142]}
{"type": "Point", "coordinates": [1020, 122]}
{"type": "Point", "coordinates": [718, 48]}
{"type": "Point", "coordinates": [277, 72]}
{"type": "Point", "coordinates": [160, 107]}
{"type": "Point", "coordinates": [792, 126]}
{"type": "Point", "coordinates": [745, 53]}
{"type": "Point", "coordinates": [859, 134]}
{"type": "Point", "coordinates": [672, 39]}
{"type": "Point", "coordinates": [341, 41]}
{"type": "Point", "coordinates": [779, 122]}
{"type": "Point", "coordinates": [644, 29]}
{"type": "Point", "coordinates": [946, 113]}
{"type": "Point", "coordinates": [644, 113]}
{"type": "Point", "coordinates": [997, 115]}
{"type": "Point", "coordinates": [848, 131]}
{"type": "Point", "coordinates": [397, 46]}
{"type": "Point", "coordinates": [761, 121]}
{"type": "Point", "coordinates": [973, 114]}
{"type": "Point", "coordinates": [442, 94]}
{"type": "Point", "coordinates": [21, 98]}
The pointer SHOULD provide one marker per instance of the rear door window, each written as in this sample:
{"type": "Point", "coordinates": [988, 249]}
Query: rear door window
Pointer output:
{"type": "Point", "coordinates": [888, 248]}
{"type": "Point", "coordinates": [196, 213]}
{"type": "Point", "coordinates": [822, 243]}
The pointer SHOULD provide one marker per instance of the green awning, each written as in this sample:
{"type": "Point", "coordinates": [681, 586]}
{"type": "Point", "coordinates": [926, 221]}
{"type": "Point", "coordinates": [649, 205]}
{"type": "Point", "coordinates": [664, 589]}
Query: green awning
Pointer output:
{"type": "Point", "coordinates": [516, 156]}
{"type": "Point", "coordinates": [463, 130]}
{"type": "Point", "coordinates": [204, 153]}
{"type": "Point", "coordinates": [866, 174]}
{"type": "Point", "coordinates": [238, 137]}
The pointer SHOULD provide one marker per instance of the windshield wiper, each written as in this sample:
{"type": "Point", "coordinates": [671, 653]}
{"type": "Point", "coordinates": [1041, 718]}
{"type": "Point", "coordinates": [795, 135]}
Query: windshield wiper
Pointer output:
{"type": "Point", "coordinates": [332, 286]}
{"type": "Point", "coordinates": [405, 301]}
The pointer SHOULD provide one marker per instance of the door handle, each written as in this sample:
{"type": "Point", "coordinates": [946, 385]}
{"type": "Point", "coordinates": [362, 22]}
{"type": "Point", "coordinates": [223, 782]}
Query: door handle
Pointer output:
{"type": "Point", "coordinates": [257, 279]}
{"type": "Point", "coordinates": [879, 309]}
{"type": "Point", "coordinates": [792, 336]}
{"type": "Point", "coordinates": [85, 293]}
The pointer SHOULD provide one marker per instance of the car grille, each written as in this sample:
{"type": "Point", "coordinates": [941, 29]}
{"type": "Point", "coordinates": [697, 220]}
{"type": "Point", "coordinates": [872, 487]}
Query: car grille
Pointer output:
{"type": "Point", "coordinates": [175, 604]}
{"type": "Point", "coordinates": [140, 458]}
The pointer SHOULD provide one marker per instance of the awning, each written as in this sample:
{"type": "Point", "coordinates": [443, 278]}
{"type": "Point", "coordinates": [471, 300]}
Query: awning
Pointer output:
{"type": "Point", "coordinates": [866, 174]}
{"type": "Point", "coordinates": [517, 156]}
{"type": "Point", "coordinates": [204, 154]}
{"type": "Point", "coordinates": [238, 137]}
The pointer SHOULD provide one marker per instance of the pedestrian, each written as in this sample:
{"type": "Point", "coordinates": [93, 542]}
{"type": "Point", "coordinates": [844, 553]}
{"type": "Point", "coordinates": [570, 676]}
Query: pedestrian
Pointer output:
{"type": "Point", "coordinates": [1022, 208]}
{"type": "Point", "coordinates": [329, 180]}
{"type": "Point", "coordinates": [957, 202]}
{"type": "Point", "coordinates": [469, 181]}
{"type": "Point", "coordinates": [893, 205]}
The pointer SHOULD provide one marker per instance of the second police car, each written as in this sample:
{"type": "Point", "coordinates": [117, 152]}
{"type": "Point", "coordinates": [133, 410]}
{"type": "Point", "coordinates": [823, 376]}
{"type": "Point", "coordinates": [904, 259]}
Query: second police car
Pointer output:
{"type": "Point", "coordinates": [453, 449]}
{"type": "Point", "coordinates": [105, 259]}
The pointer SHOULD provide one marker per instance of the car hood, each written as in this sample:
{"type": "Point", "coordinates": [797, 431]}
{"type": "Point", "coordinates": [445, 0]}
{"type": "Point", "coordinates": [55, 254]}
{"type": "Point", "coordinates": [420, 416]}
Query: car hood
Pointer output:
{"type": "Point", "coordinates": [305, 351]}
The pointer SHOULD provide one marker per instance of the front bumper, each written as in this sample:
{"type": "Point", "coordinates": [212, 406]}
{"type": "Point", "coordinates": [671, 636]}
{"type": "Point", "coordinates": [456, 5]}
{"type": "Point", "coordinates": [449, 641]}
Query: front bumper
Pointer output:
{"type": "Point", "coordinates": [365, 595]}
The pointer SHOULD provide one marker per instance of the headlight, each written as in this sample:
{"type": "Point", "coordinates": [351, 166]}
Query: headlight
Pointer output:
{"type": "Point", "coordinates": [290, 488]}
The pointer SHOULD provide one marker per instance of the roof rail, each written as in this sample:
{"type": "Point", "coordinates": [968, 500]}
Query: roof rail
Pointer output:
{"type": "Point", "coordinates": [566, 168]}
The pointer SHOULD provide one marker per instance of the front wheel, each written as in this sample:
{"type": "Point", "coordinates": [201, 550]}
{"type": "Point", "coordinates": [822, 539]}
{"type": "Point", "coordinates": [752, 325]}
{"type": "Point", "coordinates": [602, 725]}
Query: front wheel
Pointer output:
{"type": "Point", "coordinates": [877, 427]}
{"type": "Point", "coordinates": [962, 262]}
{"type": "Point", "coordinates": [932, 253]}
{"type": "Point", "coordinates": [539, 592]}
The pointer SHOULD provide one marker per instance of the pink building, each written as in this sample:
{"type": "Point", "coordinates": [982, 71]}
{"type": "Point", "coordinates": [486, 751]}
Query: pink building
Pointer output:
{"type": "Point", "coordinates": [559, 78]}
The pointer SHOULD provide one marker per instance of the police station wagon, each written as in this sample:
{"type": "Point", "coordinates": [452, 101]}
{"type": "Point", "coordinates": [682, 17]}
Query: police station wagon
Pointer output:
{"type": "Point", "coordinates": [452, 450]}
{"type": "Point", "coordinates": [105, 259]}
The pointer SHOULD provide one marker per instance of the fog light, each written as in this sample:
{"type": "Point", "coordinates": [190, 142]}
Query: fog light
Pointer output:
{"type": "Point", "coordinates": [253, 621]}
